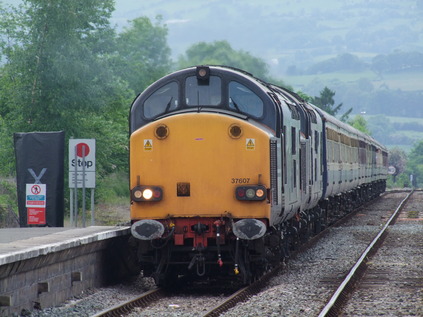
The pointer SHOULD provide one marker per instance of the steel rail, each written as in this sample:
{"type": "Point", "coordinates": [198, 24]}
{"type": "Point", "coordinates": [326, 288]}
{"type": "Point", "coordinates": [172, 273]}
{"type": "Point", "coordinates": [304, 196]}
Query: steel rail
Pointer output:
{"type": "Point", "coordinates": [336, 301]}
{"type": "Point", "coordinates": [248, 291]}
{"type": "Point", "coordinates": [244, 293]}
{"type": "Point", "coordinates": [142, 301]}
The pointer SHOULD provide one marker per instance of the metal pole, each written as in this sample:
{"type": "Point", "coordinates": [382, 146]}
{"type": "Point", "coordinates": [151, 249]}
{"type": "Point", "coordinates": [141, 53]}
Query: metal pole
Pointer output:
{"type": "Point", "coordinates": [92, 207]}
{"type": "Point", "coordinates": [76, 190]}
{"type": "Point", "coordinates": [71, 206]}
{"type": "Point", "coordinates": [83, 186]}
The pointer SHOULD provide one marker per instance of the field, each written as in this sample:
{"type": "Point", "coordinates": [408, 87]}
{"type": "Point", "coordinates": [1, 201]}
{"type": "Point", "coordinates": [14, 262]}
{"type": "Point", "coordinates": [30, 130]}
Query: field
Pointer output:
{"type": "Point", "coordinates": [406, 81]}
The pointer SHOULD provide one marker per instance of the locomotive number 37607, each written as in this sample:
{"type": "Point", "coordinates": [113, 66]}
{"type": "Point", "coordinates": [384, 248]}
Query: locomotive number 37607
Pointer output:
{"type": "Point", "coordinates": [240, 180]}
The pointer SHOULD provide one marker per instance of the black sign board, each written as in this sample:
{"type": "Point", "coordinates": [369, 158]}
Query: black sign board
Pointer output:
{"type": "Point", "coordinates": [40, 160]}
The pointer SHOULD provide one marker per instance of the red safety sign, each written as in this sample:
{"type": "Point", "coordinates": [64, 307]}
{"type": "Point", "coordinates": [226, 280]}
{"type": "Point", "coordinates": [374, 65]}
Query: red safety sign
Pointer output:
{"type": "Point", "coordinates": [36, 200]}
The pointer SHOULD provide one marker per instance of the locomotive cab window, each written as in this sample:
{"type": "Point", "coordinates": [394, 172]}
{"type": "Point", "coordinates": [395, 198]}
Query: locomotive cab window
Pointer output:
{"type": "Point", "coordinates": [203, 93]}
{"type": "Point", "coordinates": [242, 99]}
{"type": "Point", "coordinates": [164, 99]}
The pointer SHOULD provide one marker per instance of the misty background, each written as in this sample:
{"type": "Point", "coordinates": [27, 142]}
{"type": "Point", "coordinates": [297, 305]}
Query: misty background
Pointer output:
{"type": "Point", "coordinates": [369, 52]}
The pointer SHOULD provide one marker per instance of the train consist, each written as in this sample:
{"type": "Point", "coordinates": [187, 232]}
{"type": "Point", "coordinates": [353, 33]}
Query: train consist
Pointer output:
{"type": "Point", "coordinates": [228, 173]}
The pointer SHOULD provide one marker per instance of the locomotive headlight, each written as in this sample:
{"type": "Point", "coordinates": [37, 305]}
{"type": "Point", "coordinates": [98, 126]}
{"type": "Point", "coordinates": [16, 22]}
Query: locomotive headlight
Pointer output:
{"type": "Point", "coordinates": [147, 193]}
{"type": "Point", "coordinates": [235, 131]}
{"type": "Point", "coordinates": [161, 132]}
{"type": "Point", "coordinates": [137, 194]}
{"type": "Point", "coordinates": [250, 193]}
{"type": "Point", "coordinates": [259, 193]}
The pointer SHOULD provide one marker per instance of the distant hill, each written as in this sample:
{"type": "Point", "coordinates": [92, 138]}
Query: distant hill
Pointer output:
{"type": "Point", "coordinates": [303, 41]}
{"type": "Point", "coordinates": [303, 35]}
{"type": "Point", "coordinates": [289, 32]}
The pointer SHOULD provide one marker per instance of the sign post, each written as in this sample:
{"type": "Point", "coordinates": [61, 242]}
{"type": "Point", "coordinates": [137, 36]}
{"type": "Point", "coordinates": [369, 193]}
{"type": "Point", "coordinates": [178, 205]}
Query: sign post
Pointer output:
{"type": "Point", "coordinates": [81, 175]}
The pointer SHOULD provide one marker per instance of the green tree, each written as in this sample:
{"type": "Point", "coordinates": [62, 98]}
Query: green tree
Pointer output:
{"type": "Point", "coordinates": [221, 53]}
{"type": "Point", "coordinates": [360, 124]}
{"type": "Point", "coordinates": [397, 159]}
{"type": "Point", "coordinates": [54, 63]}
{"type": "Point", "coordinates": [326, 102]}
{"type": "Point", "coordinates": [57, 76]}
{"type": "Point", "coordinates": [415, 164]}
{"type": "Point", "coordinates": [143, 55]}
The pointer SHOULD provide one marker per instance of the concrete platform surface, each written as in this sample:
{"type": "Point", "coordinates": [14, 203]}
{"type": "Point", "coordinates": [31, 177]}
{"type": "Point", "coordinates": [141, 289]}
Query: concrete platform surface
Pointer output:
{"type": "Point", "coordinates": [18, 244]}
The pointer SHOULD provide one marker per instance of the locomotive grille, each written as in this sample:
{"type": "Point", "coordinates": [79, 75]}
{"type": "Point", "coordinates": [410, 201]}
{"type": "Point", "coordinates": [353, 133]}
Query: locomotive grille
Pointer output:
{"type": "Point", "coordinates": [274, 171]}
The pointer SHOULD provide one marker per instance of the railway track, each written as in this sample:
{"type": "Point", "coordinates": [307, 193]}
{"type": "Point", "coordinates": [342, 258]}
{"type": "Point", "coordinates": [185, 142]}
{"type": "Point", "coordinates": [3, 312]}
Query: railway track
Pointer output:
{"type": "Point", "coordinates": [371, 276]}
{"type": "Point", "coordinates": [148, 298]}
{"type": "Point", "coordinates": [160, 303]}
{"type": "Point", "coordinates": [139, 303]}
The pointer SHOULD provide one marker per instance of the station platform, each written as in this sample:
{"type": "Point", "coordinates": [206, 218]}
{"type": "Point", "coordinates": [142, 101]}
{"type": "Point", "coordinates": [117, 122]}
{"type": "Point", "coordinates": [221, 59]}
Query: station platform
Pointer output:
{"type": "Point", "coordinates": [18, 244]}
{"type": "Point", "coordinates": [42, 267]}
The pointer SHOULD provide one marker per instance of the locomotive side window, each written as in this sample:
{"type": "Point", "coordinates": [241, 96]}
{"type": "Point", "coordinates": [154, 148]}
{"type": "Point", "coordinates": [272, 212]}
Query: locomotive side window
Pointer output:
{"type": "Point", "coordinates": [242, 99]}
{"type": "Point", "coordinates": [293, 141]}
{"type": "Point", "coordinates": [203, 93]}
{"type": "Point", "coordinates": [162, 100]}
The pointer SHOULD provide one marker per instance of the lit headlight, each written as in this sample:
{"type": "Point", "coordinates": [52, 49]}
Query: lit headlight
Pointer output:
{"type": "Point", "coordinates": [147, 193]}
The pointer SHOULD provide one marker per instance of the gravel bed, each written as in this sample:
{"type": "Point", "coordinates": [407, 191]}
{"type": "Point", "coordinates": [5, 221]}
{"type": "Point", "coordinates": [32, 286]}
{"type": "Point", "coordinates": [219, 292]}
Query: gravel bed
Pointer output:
{"type": "Point", "coordinates": [94, 301]}
{"type": "Point", "coordinates": [302, 289]}
{"type": "Point", "coordinates": [394, 279]}
{"type": "Point", "coordinates": [192, 306]}
{"type": "Point", "coordinates": [312, 277]}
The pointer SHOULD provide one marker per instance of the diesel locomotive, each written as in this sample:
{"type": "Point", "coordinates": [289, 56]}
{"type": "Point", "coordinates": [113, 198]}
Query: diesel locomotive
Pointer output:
{"type": "Point", "coordinates": [228, 173]}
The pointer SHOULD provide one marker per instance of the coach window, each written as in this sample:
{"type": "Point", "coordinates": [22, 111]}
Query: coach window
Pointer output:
{"type": "Point", "coordinates": [207, 93]}
{"type": "Point", "coordinates": [242, 99]}
{"type": "Point", "coordinates": [164, 99]}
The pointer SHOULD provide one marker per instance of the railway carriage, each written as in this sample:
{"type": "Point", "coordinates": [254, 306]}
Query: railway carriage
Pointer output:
{"type": "Point", "coordinates": [228, 173]}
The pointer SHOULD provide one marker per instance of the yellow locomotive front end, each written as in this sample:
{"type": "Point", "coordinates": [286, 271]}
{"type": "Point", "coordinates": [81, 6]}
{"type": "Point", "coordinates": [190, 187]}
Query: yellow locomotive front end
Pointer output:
{"type": "Point", "coordinates": [201, 162]}
{"type": "Point", "coordinates": [200, 174]}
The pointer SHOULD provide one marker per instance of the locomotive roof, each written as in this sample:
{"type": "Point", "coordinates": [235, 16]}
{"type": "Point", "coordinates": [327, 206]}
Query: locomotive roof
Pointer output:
{"type": "Point", "coordinates": [254, 85]}
{"type": "Point", "coordinates": [260, 87]}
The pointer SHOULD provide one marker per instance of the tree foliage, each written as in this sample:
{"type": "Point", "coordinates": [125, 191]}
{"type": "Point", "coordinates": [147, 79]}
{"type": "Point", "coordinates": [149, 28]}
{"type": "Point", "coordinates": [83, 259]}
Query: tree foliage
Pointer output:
{"type": "Point", "coordinates": [65, 68]}
{"type": "Point", "coordinates": [142, 54]}
{"type": "Point", "coordinates": [221, 53]}
{"type": "Point", "coordinates": [326, 102]}
{"type": "Point", "coordinates": [398, 159]}
{"type": "Point", "coordinates": [415, 164]}
{"type": "Point", "coordinates": [360, 124]}
{"type": "Point", "coordinates": [55, 69]}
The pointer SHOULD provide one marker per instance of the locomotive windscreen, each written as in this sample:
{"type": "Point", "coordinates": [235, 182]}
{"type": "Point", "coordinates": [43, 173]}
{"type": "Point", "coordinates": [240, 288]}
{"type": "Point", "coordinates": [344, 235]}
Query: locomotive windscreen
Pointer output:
{"type": "Point", "coordinates": [199, 94]}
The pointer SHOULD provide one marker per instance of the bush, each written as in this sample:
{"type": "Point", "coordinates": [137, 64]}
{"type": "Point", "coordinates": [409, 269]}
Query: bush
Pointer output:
{"type": "Point", "coordinates": [113, 188]}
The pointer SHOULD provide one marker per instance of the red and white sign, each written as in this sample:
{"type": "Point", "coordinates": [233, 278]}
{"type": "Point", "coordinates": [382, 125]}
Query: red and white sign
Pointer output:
{"type": "Point", "coordinates": [82, 163]}
{"type": "Point", "coordinates": [36, 216]}
{"type": "Point", "coordinates": [36, 200]}
{"type": "Point", "coordinates": [36, 195]}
